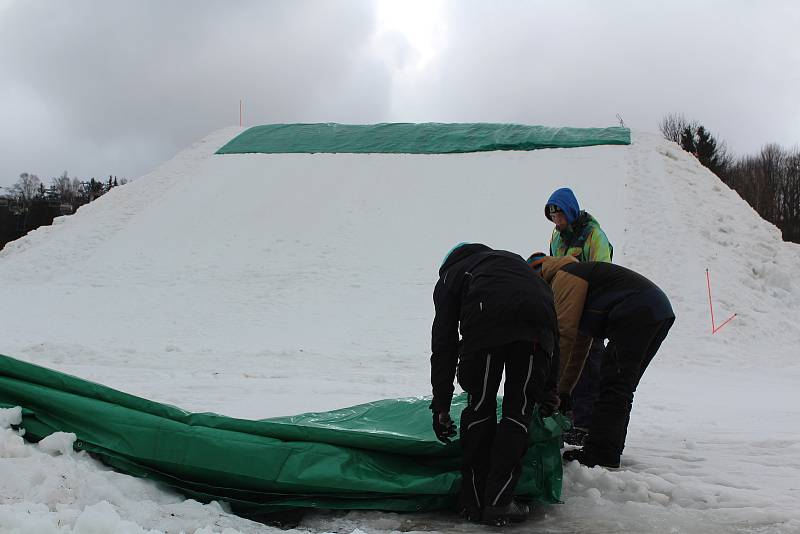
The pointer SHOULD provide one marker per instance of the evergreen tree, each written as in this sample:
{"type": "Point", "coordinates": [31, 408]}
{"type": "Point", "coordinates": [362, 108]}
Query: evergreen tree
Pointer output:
{"type": "Point", "coordinates": [687, 140]}
{"type": "Point", "coordinates": [695, 139]}
{"type": "Point", "coordinates": [707, 150]}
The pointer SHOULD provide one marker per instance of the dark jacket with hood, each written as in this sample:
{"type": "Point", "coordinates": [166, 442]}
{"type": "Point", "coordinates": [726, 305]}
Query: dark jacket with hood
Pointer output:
{"type": "Point", "coordinates": [492, 297]}
{"type": "Point", "coordinates": [598, 299]}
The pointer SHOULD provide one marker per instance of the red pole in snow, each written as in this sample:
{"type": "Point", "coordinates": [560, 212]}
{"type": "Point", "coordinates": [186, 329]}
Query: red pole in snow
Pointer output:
{"type": "Point", "coordinates": [726, 322]}
{"type": "Point", "coordinates": [714, 328]}
{"type": "Point", "coordinates": [710, 304]}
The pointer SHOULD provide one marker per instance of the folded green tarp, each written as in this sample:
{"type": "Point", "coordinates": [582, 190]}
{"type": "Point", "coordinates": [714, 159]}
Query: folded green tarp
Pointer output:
{"type": "Point", "coordinates": [409, 138]}
{"type": "Point", "coordinates": [380, 456]}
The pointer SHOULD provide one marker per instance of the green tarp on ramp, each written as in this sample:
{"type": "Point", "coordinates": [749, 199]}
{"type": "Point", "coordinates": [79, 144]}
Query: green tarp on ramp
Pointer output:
{"type": "Point", "coordinates": [409, 138]}
{"type": "Point", "coordinates": [380, 456]}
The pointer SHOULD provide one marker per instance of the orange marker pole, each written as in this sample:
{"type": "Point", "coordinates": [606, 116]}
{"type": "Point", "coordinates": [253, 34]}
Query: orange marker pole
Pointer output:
{"type": "Point", "coordinates": [714, 327]}
{"type": "Point", "coordinates": [710, 304]}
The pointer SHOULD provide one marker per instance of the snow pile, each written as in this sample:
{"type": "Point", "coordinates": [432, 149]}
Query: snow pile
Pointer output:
{"type": "Point", "coordinates": [57, 443]}
{"type": "Point", "coordinates": [50, 488]}
{"type": "Point", "coordinates": [260, 285]}
{"type": "Point", "coordinates": [12, 416]}
{"type": "Point", "coordinates": [682, 221]}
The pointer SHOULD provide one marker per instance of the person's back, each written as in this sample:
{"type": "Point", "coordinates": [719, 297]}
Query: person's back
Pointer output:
{"type": "Point", "coordinates": [506, 318]}
{"type": "Point", "coordinates": [500, 298]}
{"type": "Point", "coordinates": [608, 296]}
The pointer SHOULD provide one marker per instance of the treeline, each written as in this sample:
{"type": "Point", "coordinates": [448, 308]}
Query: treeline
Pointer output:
{"type": "Point", "coordinates": [29, 204]}
{"type": "Point", "coordinates": [769, 181]}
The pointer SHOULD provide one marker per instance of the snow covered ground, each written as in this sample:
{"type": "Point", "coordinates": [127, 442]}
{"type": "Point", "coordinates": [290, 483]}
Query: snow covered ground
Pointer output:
{"type": "Point", "coordinates": [263, 285]}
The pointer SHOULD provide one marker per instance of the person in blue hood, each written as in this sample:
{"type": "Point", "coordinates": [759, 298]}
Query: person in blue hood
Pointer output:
{"type": "Point", "coordinates": [578, 234]}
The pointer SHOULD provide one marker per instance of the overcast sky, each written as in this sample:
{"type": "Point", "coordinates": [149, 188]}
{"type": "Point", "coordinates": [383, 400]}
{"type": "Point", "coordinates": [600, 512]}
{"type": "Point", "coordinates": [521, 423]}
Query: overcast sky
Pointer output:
{"type": "Point", "coordinates": [110, 87]}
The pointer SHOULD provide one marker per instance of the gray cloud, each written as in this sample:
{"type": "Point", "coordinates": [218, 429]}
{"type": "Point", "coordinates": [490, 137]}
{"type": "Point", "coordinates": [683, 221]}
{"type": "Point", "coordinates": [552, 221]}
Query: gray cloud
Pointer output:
{"type": "Point", "coordinates": [732, 65]}
{"type": "Point", "coordinates": [98, 87]}
{"type": "Point", "coordinates": [102, 87]}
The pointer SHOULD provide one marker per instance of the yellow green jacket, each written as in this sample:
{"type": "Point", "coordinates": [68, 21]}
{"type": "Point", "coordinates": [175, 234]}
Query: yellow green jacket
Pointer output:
{"type": "Point", "coordinates": [583, 239]}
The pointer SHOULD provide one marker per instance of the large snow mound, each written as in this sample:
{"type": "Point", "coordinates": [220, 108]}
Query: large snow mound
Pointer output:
{"type": "Point", "coordinates": [262, 285]}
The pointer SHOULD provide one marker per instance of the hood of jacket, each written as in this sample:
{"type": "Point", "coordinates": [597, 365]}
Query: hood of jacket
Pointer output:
{"type": "Point", "coordinates": [460, 252]}
{"type": "Point", "coordinates": [551, 265]}
{"type": "Point", "coordinates": [565, 199]}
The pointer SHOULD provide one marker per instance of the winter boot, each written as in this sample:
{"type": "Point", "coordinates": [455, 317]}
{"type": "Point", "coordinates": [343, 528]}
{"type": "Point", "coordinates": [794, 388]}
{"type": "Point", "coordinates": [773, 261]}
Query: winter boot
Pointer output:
{"type": "Point", "coordinates": [500, 516]}
{"type": "Point", "coordinates": [585, 457]}
{"type": "Point", "coordinates": [470, 513]}
{"type": "Point", "coordinates": [575, 436]}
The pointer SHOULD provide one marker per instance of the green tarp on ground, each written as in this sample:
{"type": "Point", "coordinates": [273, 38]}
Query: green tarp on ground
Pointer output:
{"type": "Point", "coordinates": [409, 138]}
{"type": "Point", "coordinates": [380, 456]}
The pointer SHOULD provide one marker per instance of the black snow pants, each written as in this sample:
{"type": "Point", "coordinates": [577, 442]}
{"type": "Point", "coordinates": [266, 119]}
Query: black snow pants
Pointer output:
{"type": "Point", "coordinates": [585, 392]}
{"type": "Point", "coordinates": [624, 361]}
{"type": "Point", "coordinates": [492, 451]}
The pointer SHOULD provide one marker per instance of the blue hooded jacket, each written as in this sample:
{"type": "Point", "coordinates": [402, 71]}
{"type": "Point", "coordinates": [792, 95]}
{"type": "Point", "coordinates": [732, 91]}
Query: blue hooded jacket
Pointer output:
{"type": "Point", "coordinates": [565, 199]}
{"type": "Point", "coordinates": [584, 238]}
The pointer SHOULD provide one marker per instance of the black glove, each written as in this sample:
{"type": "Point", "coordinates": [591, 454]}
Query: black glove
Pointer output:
{"type": "Point", "coordinates": [546, 409]}
{"type": "Point", "coordinates": [443, 426]}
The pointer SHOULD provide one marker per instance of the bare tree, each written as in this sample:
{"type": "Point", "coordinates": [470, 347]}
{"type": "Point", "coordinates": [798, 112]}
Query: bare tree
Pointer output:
{"type": "Point", "coordinates": [770, 182]}
{"type": "Point", "coordinates": [77, 188]}
{"type": "Point", "coordinates": [772, 163]}
{"type": "Point", "coordinates": [791, 198]}
{"type": "Point", "coordinates": [66, 188]}
{"type": "Point", "coordinates": [27, 187]}
{"type": "Point", "coordinates": [62, 186]}
{"type": "Point", "coordinates": [725, 159]}
{"type": "Point", "coordinates": [673, 125]}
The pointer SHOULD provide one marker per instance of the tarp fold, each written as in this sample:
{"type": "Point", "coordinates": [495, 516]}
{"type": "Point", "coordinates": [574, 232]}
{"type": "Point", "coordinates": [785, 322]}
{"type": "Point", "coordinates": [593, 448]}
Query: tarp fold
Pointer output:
{"type": "Point", "coordinates": [381, 455]}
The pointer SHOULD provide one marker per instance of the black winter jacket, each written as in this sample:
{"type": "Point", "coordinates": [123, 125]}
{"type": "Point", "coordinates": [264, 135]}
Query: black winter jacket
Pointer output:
{"type": "Point", "coordinates": [598, 299]}
{"type": "Point", "coordinates": [618, 299]}
{"type": "Point", "coordinates": [492, 297]}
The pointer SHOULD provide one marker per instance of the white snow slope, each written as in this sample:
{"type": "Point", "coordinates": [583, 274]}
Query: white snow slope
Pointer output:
{"type": "Point", "coordinates": [263, 285]}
